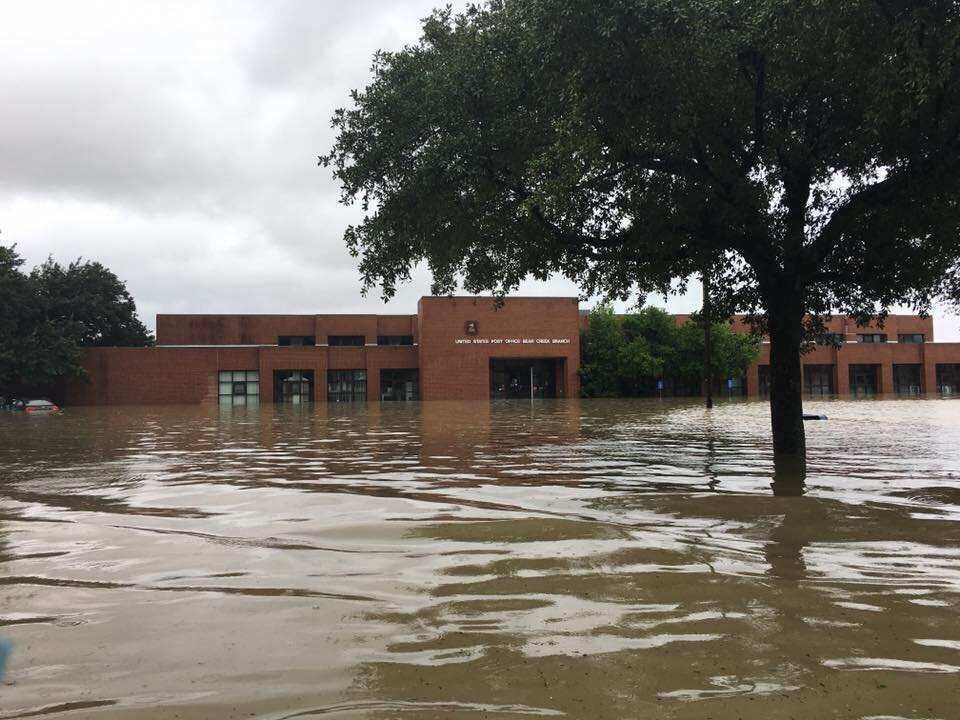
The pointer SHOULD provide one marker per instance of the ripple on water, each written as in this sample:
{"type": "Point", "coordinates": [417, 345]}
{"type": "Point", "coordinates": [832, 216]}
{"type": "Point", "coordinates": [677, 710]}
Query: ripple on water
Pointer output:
{"type": "Point", "coordinates": [599, 559]}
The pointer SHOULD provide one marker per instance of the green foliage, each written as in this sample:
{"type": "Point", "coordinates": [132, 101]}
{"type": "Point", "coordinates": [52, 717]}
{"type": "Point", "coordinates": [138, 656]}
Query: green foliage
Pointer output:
{"type": "Point", "coordinates": [731, 353]}
{"type": "Point", "coordinates": [94, 299]}
{"type": "Point", "coordinates": [809, 150]}
{"type": "Point", "coordinates": [601, 346]}
{"type": "Point", "coordinates": [54, 311]}
{"type": "Point", "coordinates": [626, 355]}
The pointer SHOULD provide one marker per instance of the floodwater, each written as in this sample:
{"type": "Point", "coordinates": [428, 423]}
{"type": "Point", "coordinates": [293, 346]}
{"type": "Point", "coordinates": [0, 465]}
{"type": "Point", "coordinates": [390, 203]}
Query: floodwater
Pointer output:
{"type": "Point", "coordinates": [591, 559]}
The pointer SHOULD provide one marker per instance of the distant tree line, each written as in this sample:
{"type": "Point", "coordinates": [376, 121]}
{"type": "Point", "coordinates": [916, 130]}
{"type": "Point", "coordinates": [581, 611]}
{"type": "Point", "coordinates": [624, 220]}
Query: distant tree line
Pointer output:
{"type": "Point", "coordinates": [50, 313]}
{"type": "Point", "coordinates": [625, 355]}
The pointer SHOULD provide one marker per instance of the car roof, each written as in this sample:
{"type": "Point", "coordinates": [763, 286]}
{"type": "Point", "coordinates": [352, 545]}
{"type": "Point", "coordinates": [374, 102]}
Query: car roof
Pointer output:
{"type": "Point", "coordinates": [39, 402]}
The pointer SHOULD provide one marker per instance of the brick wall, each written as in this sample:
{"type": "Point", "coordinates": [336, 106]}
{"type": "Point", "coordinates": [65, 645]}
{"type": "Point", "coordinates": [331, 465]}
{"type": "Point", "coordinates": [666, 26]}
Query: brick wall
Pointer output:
{"type": "Point", "coordinates": [452, 370]}
{"type": "Point", "coordinates": [155, 376]}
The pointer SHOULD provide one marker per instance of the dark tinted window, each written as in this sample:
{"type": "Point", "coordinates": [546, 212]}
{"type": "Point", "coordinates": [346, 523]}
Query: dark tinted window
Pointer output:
{"type": "Point", "coordinates": [346, 340]}
{"type": "Point", "coordinates": [871, 338]}
{"type": "Point", "coordinates": [399, 384]}
{"type": "Point", "coordinates": [394, 339]}
{"type": "Point", "coordinates": [910, 338]}
{"type": "Point", "coordinates": [296, 340]}
{"type": "Point", "coordinates": [833, 339]}
{"type": "Point", "coordinates": [346, 385]}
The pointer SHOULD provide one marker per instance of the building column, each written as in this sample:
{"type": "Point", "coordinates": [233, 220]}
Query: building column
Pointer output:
{"type": "Point", "coordinates": [373, 378]}
{"type": "Point", "coordinates": [886, 377]}
{"type": "Point", "coordinates": [929, 376]}
{"type": "Point", "coordinates": [843, 377]}
{"type": "Point", "coordinates": [320, 378]}
{"type": "Point", "coordinates": [752, 380]}
{"type": "Point", "coordinates": [266, 378]}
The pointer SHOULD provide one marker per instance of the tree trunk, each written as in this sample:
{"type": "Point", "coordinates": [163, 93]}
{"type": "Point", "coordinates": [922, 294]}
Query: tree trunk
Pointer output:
{"type": "Point", "coordinates": [786, 393]}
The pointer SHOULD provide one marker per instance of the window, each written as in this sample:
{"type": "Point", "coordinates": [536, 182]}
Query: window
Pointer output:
{"type": "Point", "coordinates": [394, 339]}
{"type": "Point", "coordinates": [911, 338]}
{"type": "Point", "coordinates": [907, 379]}
{"type": "Point", "coordinates": [346, 385]}
{"type": "Point", "coordinates": [346, 340]}
{"type": "Point", "coordinates": [296, 340]}
{"type": "Point", "coordinates": [871, 338]}
{"type": "Point", "coordinates": [818, 380]}
{"type": "Point", "coordinates": [238, 387]}
{"type": "Point", "coordinates": [948, 378]}
{"type": "Point", "coordinates": [399, 384]}
{"type": "Point", "coordinates": [864, 380]}
{"type": "Point", "coordinates": [832, 339]}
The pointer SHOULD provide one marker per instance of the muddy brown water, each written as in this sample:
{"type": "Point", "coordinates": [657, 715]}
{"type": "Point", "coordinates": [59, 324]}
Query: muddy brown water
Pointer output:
{"type": "Point", "coordinates": [591, 559]}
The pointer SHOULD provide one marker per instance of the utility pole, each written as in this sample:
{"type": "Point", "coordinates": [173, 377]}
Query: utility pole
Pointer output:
{"type": "Point", "coordinates": [707, 332]}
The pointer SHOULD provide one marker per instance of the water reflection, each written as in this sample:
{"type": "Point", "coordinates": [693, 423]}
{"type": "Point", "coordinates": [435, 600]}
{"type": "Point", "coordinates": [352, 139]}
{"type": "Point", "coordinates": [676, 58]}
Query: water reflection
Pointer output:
{"type": "Point", "coordinates": [593, 559]}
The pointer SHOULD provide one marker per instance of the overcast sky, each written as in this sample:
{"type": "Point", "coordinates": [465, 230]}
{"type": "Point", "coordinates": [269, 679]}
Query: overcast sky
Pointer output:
{"type": "Point", "coordinates": [176, 142]}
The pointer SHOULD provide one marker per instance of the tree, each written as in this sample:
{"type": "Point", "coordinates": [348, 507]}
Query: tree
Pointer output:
{"type": "Point", "coordinates": [732, 353]}
{"type": "Point", "coordinates": [650, 349]}
{"type": "Point", "coordinates": [811, 149]}
{"type": "Point", "coordinates": [601, 345]}
{"type": "Point", "coordinates": [16, 301]}
{"type": "Point", "coordinates": [53, 312]}
{"type": "Point", "coordinates": [90, 295]}
{"type": "Point", "coordinates": [627, 354]}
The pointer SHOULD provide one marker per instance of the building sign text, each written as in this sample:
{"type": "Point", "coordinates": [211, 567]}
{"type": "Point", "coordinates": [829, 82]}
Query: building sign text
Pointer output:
{"type": "Point", "coordinates": [512, 341]}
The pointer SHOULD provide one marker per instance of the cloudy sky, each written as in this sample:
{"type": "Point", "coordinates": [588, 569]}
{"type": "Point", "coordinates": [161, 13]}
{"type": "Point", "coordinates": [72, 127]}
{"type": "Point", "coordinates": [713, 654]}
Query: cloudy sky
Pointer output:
{"type": "Point", "coordinates": [176, 142]}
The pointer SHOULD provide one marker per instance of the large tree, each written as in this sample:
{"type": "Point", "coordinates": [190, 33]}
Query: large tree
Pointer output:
{"type": "Point", "coordinates": [52, 312]}
{"type": "Point", "coordinates": [805, 153]}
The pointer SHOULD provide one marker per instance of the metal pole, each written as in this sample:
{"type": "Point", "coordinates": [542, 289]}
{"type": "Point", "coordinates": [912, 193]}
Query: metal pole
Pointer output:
{"type": "Point", "coordinates": [531, 382]}
{"type": "Point", "coordinates": [707, 327]}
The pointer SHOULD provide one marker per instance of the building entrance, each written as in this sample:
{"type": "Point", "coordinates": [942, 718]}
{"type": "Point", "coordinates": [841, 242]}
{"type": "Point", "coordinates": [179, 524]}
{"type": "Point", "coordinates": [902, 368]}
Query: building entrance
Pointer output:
{"type": "Point", "coordinates": [293, 386]}
{"type": "Point", "coordinates": [399, 384]}
{"type": "Point", "coordinates": [522, 378]}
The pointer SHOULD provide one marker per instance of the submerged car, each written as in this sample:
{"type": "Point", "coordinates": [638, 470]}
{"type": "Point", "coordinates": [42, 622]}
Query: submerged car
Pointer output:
{"type": "Point", "coordinates": [40, 407]}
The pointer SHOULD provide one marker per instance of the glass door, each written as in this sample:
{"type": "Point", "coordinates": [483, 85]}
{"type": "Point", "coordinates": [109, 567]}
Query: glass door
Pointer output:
{"type": "Point", "coordinates": [293, 386]}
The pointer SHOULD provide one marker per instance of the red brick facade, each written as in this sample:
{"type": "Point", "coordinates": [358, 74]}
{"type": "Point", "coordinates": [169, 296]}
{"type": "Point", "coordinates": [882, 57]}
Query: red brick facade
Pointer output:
{"type": "Point", "coordinates": [453, 363]}
{"type": "Point", "coordinates": [453, 341]}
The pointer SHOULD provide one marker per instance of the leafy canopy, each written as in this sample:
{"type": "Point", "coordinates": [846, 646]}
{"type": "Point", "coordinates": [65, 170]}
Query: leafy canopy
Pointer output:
{"type": "Point", "coordinates": [54, 311]}
{"type": "Point", "coordinates": [626, 355]}
{"type": "Point", "coordinates": [807, 152]}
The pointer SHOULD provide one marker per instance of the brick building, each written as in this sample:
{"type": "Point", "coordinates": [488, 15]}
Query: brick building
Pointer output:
{"type": "Point", "coordinates": [900, 358]}
{"type": "Point", "coordinates": [455, 348]}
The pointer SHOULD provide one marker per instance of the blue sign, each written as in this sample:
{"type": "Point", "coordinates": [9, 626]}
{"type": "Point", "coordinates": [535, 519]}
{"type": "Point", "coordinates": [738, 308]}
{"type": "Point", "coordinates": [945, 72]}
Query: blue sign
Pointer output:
{"type": "Point", "coordinates": [659, 384]}
{"type": "Point", "coordinates": [5, 647]}
{"type": "Point", "coordinates": [729, 383]}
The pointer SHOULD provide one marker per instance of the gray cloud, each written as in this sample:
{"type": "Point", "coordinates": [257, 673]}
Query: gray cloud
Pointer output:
{"type": "Point", "coordinates": [176, 142]}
